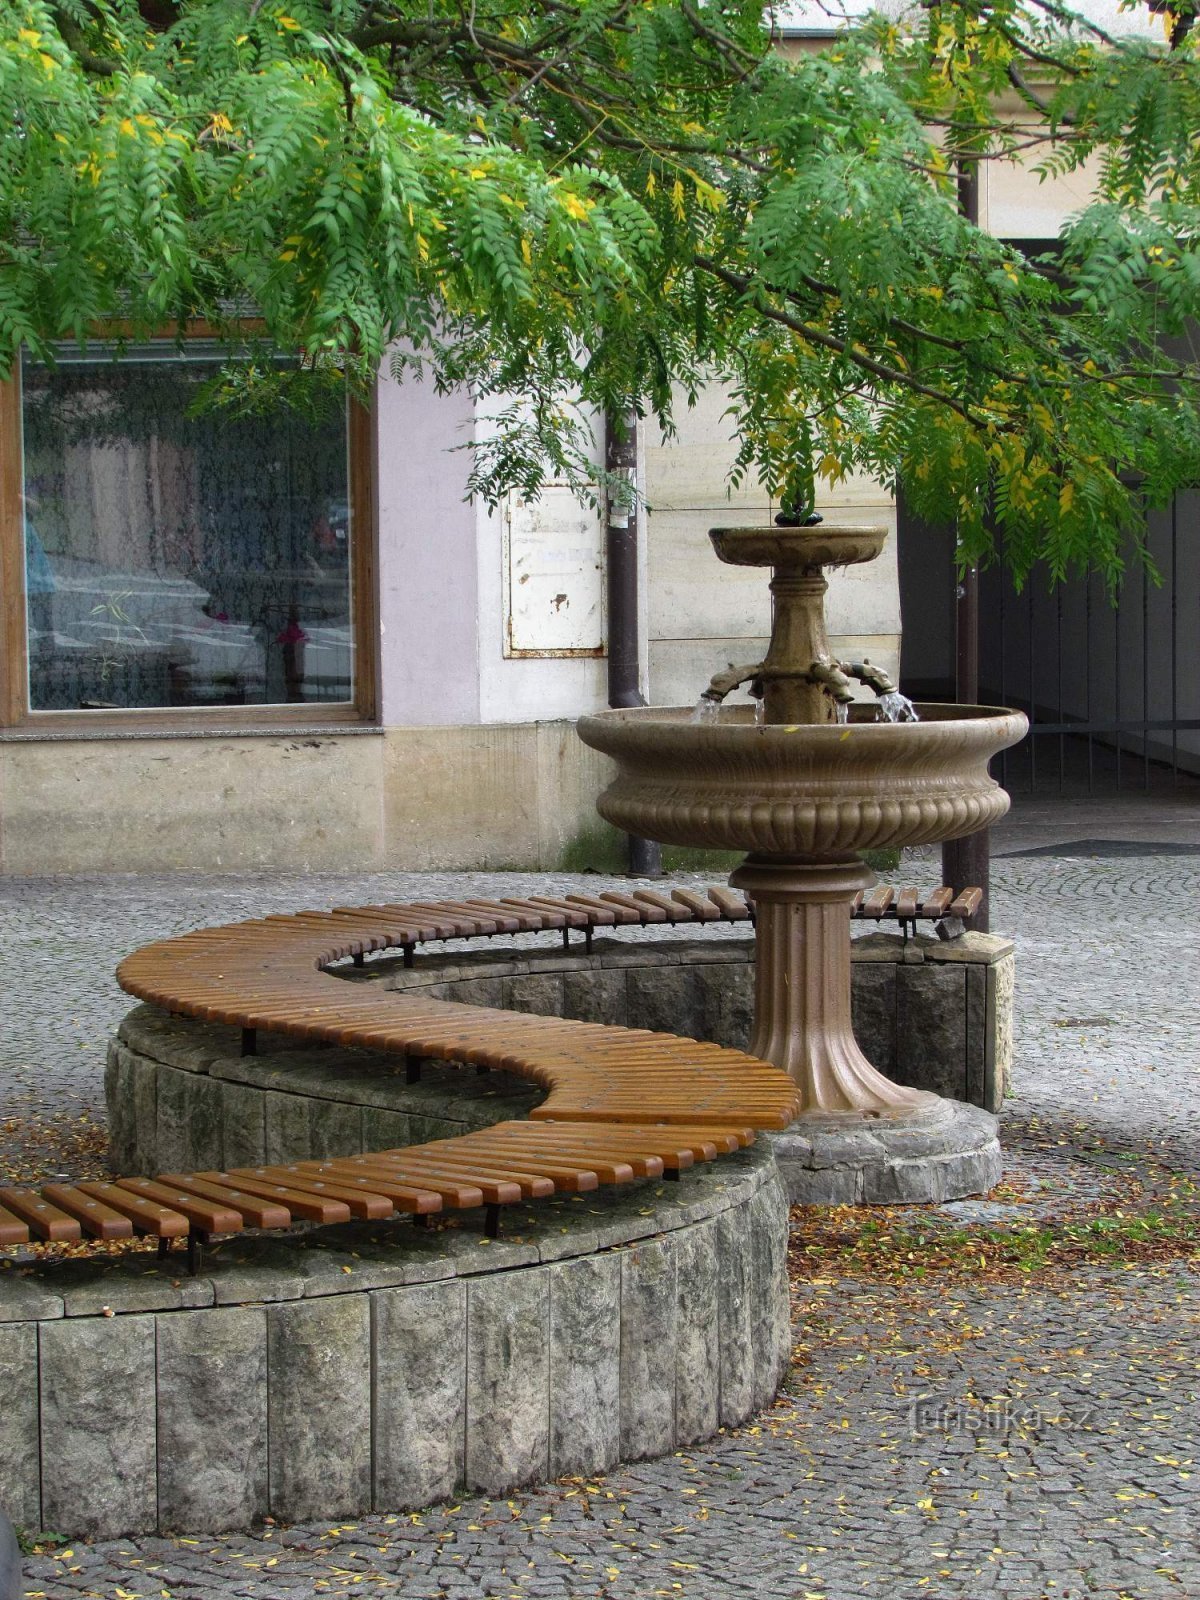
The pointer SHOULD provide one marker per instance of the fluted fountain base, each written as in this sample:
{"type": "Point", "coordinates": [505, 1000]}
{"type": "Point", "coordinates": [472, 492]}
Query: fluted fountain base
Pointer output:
{"type": "Point", "coordinates": [942, 1150]}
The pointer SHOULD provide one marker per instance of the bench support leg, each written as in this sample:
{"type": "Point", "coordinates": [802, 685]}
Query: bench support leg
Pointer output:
{"type": "Point", "coordinates": [249, 1041]}
{"type": "Point", "coordinates": [491, 1222]}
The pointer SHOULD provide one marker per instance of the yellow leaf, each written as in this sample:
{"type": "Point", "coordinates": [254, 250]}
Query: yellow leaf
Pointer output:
{"type": "Point", "coordinates": [128, 127]}
{"type": "Point", "coordinates": [1066, 497]}
{"type": "Point", "coordinates": [289, 23]}
{"type": "Point", "coordinates": [575, 207]}
{"type": "Point", "coordinates": [526, 252]}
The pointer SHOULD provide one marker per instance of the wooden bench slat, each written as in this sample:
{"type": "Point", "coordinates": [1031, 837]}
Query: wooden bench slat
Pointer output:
{"type": "Point", "coordinates": [312, 1203]}
{"type": "Point", "coordinates": [96, 1219]}
{"type": "Point", "coordinates": [303, 1204]}
{"type": "Point", "coordinates": [701, 907]}
{"type": "Point", "coordinates": [256, 1210]}
{"type": "Point", "coordinates": [203, 1214]}
{"type": "Point", "coordinates": [877, 901]}
{"type": "Point", "coordinates": [937, 903]}
{"type": "Point", "coordinates": [147, 1216]}
{"type": "Point", "coordinates": [12, 1229]}
{"type": "Point", "coordinates": [966, 904]}
{"type": "Point", "coordinates": [43, 1219]}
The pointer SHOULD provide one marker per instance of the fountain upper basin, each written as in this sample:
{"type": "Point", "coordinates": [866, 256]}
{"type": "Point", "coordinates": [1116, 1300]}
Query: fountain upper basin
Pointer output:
{"type": "Point", "coordinates": [821, 789]}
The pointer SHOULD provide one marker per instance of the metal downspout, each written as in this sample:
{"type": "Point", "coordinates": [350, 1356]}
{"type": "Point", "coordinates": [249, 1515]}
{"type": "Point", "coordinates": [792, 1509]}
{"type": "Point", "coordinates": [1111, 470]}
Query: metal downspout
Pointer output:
{"type": "Point", "coordinates": [621, 561]}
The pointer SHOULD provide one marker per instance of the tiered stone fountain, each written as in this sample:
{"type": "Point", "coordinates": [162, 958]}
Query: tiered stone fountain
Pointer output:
{"type": "Point", "coordinates": [804, 782]}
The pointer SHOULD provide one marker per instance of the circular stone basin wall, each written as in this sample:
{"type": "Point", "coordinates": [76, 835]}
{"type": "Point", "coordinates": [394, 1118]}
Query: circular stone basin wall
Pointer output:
{"type": "Point", "coordinates": [384, 1367]}
{"type": "Point", "coordinates": [181, 1097]}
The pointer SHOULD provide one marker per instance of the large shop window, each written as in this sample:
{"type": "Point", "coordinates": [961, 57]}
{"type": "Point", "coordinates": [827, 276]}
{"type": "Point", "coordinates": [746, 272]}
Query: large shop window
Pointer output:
{"type": "Point", "coordinates": [173, 557]}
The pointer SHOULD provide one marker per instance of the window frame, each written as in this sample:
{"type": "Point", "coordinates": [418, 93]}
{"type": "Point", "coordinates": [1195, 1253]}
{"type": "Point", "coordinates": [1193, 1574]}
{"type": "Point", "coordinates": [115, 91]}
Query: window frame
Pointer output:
{"type": "Point", "coordinates": [18, 718]}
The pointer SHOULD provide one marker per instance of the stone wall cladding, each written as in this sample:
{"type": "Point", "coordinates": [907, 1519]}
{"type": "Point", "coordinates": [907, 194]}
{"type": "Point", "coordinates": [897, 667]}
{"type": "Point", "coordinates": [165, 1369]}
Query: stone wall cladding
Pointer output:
{"type": "Point", "coordinates": [936, 1015]}
{"type": "Point", "coordinates": [379, 1366]}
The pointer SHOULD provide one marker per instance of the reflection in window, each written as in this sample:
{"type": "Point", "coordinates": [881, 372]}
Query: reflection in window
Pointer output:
{"type": "Point", "coordinates": [176, 557]}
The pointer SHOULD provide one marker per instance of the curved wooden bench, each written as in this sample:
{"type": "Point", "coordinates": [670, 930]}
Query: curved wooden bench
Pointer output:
{"type": "Point", "coordinates": [621, 1103]}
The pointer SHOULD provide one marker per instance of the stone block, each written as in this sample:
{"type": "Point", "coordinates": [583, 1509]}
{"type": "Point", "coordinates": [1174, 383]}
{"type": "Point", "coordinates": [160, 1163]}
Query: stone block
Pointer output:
{"type": "Point", "coordinates": [734, 1318]}
{"type": "Point", "coordinates": [20, 1465]}
{"type": "Point", "coordinates": [212, 1419]}
{"type": "Point", "coordinates": [585, 1365]}
{"type": "Point", "coordinates": [931, 1028]}
{"type": "Point", "coordinates": [508, 1377]}
{"type": "Point", "coordinates": [540, 993]}
{"type": "Point", "coordinates": [27, 1299]}
{"type": "Point", "coordinates": [319, 1378]}
{"type": "Point", "coordinates": [335, 1129]}
{"type": "Point", "coordinates": [204, 1145]}
{"type": "Point", "coordinates": [419, 1344]}
{"type": "Point", "coordinates": [123, 1285]}
{"type": "Point", "coordinates": [770, 1295]}
{"type": "Point", "coordinates": [287, 1129]}
{"type": "Point", "coordinates": [99, 1463]}
{"type": "Point", "coordinates": [118, 1101]}
{"type": "Point", "coordinates": [726, 1001]}
{"type": "Point", "coordinates": [697, 1350]}
{"type": "Point", "coordinates": [243, 1127]}
{"type": "Point", "coordinates": [664, 998]}
{"type": "Point", "coordinates": [649, 1336]}
{"type": "Point", "coordinates": [171, 1132]}
{"type": "Point", "coordinates": [479, 991]}
{"type": "Point", "coordinates": [975, 1050]}
{"type": "Point", "coordinates": [385, 1130]}
{"type": "Point", "coordinates": [873, 1012]}
{"type": "Point", "coordinates": [144, 1090]}
{"type": "Point", "coordinates": [998, 1064]}
{"type": "Point", "coordinates": [595, 996]}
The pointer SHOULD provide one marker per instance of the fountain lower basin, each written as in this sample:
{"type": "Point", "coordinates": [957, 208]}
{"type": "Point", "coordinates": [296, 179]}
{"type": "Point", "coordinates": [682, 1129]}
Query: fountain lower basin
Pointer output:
{"type": "Point", "coordinates": [820, 790]}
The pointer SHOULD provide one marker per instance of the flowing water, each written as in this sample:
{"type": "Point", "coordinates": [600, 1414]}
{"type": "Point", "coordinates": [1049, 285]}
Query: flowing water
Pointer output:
{"type": "Point", "coordinates": [706, 710]}
{"type": "Point", "coordinates": [897, 707]}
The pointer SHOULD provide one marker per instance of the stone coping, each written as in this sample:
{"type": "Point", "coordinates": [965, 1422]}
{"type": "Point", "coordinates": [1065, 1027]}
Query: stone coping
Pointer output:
{"type": "Point", "coordinates": [350, 1257]}
{"type": "Point", "coordinates": [382, 1367]}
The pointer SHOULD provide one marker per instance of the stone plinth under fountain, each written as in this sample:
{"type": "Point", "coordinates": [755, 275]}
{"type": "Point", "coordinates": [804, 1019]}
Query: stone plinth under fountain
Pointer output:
{"type": "Point", "coordinates": [804, 781]}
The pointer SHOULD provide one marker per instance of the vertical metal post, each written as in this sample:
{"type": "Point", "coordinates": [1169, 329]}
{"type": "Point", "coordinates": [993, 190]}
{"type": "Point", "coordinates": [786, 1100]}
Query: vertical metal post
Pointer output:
{"type": "Point", "coordinates": [621, 551]}
{"type": "Point", "coordinates": [965, 862]}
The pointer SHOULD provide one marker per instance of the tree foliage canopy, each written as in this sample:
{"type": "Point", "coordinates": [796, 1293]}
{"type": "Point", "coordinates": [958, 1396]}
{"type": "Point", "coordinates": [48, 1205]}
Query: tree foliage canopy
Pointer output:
{"type": "Point", "coordinates": [607, 201]}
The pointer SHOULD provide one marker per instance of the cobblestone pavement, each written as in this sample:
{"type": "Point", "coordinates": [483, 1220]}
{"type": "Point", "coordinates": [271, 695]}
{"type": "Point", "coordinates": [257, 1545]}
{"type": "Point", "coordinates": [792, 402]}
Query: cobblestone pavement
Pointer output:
{"type": "Point", "coordinates": [1035, 1441]}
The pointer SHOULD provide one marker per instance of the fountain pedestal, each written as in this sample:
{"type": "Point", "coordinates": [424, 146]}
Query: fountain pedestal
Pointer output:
{"type": "Point", "coordinates": [802, 985]}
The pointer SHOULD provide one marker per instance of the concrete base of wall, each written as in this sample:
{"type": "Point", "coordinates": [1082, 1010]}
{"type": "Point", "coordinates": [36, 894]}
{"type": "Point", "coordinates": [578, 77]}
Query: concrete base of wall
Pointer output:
{"type": "Point", "coordinates": [384, 1367]}
{"type": "Point", "coordinates": [407, 799]}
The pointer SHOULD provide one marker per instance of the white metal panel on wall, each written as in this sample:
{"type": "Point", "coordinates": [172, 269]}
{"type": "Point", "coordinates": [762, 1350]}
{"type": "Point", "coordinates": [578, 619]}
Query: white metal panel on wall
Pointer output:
{"type": "Point", "coordinates": [553, 576]}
